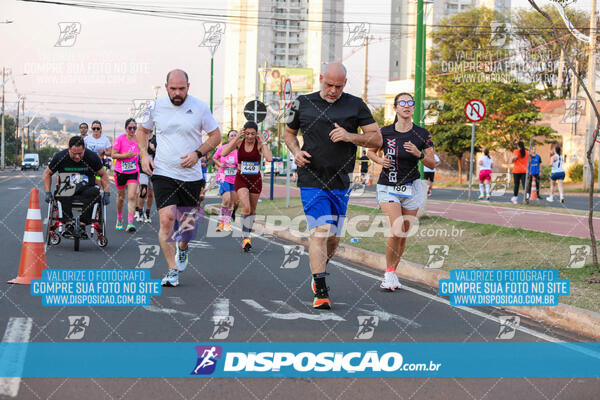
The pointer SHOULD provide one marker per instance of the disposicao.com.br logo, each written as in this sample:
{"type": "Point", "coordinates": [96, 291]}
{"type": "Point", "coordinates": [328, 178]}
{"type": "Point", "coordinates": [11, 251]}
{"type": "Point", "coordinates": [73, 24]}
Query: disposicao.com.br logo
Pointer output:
{"type": "Point", "coordinates": [240, 363]}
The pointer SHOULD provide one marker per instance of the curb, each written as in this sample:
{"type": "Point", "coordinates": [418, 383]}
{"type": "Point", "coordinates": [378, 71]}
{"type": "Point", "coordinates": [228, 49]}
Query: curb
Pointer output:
{"type": "Point", "coordinates": [564, 316]}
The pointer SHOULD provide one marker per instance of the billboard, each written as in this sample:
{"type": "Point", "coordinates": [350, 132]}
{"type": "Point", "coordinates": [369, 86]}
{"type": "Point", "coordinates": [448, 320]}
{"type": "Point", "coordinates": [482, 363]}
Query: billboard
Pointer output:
{"type": "Point", "coordinates": [302, 79]}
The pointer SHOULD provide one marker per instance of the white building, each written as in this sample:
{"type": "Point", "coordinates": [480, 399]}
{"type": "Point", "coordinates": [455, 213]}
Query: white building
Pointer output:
{"type": "Point", "coordinates": [276, 33]}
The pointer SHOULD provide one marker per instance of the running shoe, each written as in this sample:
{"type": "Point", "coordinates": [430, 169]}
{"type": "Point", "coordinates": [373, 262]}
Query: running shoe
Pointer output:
{"type": "Point", "coordinates": [246, 245]}
{"type": "Point", "coordinates": [481, 197]}
{"type": "Point", "coordinates": [119, 225]}
{"type": "Point", "coordinates": [138, 216]}
{"type": "Point", "coordinates": [181, 258]}
{"type": "Point", "coordinates": [397, 282]}
{"type": "Point", "coordinates": [562, 199]}
{"type": "Point", "coordinates": [389, 283]}
{"type": "Point", "coordinates": [227, 228]}
{"type": "Point", "coordinates": [147, 219]}
{"type": "Point", "coordinates": [550, 199]}
{"type": "Point", "coordinates": [487, 197]}
{"type": "Point", "coordinates": [171, 279]}
{"type": "Point", "coordinates": [131, 228]}
{"type": "Point", "coordinates": [321, 300]}
{"type": "Point", "coordinates": [69, 230]}
{"type": "Point", "coordinates": [220, 227]}
{"type": "Point", "coordinates": [514, 199]}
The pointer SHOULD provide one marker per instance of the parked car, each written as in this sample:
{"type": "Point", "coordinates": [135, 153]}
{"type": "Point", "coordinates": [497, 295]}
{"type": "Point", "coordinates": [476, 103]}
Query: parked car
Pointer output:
{"type": "Point", "coordinates": [30, 161]}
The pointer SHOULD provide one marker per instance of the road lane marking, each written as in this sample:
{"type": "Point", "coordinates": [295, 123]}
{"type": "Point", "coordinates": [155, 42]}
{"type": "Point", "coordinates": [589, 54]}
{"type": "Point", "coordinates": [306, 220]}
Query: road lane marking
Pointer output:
{"type": "Point", "coordinates": [18, 330]}
{"type": "Point", "coordinates": [325, 316]}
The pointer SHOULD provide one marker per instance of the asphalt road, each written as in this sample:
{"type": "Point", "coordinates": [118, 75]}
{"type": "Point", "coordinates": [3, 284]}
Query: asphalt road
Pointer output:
{"type": "Point", "coordinates": [268, 303]}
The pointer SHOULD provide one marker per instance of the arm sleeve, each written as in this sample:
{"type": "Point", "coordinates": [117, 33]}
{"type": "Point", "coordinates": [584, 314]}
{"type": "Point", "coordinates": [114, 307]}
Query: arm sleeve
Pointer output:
{"type": "Point", "coordinates": [364, 115]}
{"type": "Point", "coordinates": [208, 121]}
{"type": "Point", "coordinates": [147, 120]}
{"type": "Point", "coordinates": [293, 120]}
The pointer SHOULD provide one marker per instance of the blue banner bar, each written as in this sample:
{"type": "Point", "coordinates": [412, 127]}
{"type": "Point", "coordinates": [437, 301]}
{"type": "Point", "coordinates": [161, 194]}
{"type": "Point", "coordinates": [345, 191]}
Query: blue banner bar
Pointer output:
{"type": "Point", "coordinates": [299, 360]}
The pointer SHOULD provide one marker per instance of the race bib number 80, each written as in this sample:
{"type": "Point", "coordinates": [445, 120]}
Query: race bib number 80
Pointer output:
{"type": "Point", "coordinates": [249, 167]}
{"type": "Point", "coordinates": [402, 190]}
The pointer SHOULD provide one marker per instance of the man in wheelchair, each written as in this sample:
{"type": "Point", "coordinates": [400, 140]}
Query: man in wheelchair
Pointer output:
{"type": "Point", "coordinates": [76, 167]}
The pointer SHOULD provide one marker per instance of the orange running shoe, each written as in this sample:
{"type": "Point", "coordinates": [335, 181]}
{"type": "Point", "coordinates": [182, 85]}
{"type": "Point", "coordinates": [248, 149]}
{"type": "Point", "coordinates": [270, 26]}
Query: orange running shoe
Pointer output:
{"type": "Point", "coordinates": [220, 227]}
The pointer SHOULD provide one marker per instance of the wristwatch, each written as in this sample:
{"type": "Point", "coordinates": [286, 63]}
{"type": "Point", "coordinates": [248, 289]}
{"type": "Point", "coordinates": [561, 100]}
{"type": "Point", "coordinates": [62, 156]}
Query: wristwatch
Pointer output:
{"type": "Point", "coordinates": [200, 155]}
{"type": "Point", "coordinates": [422, 156]}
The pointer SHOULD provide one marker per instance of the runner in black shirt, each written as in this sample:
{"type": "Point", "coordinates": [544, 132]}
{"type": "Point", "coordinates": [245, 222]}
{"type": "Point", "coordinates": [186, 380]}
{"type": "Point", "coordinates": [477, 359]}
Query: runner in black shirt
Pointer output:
{"type": "Point", "coordinates": [364, 166]}
{"type": "Point", "coordinates": [400, 191]}
{"type": "Point", "coordinates": [79, 166]}
{"type": "Point", "coordinates": [329, 121]}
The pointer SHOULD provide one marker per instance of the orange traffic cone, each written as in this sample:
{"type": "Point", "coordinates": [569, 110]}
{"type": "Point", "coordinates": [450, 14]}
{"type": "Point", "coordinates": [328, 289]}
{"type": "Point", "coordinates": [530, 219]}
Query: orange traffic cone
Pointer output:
{"type": "Point", "coordinates": [534, 195]}
{"type": "Point", "coordinates": [33, 255]}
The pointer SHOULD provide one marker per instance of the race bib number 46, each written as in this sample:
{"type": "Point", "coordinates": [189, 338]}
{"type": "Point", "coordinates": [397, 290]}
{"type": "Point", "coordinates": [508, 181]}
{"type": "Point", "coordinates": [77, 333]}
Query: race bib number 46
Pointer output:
{"type": "Point", "coordinates": [402, 190]}
{"type": "Point", "coordinates": [249, 167]}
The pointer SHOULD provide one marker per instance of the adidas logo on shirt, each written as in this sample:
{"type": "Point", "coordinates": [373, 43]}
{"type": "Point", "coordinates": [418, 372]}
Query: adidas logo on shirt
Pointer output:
{"type": "Point", "coordinates": [189, 111]}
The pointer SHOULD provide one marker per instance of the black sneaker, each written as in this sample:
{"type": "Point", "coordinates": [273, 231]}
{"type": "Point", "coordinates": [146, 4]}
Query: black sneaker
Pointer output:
{"type": "Point", "coordinates": [69, 230]}
{"type": "Point", "coordinates": [321, 300]}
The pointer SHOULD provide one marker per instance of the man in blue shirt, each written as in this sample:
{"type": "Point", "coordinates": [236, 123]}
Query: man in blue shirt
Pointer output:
{"type": "Point", "coordinates": [535, 162]}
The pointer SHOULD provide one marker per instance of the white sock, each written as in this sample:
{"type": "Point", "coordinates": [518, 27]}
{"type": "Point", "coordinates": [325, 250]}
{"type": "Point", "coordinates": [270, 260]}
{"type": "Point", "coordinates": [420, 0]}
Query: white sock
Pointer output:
{"type": "Point", "coordinates": [487, 189]}
{"type": "Point", "coordinates": [481, 189]}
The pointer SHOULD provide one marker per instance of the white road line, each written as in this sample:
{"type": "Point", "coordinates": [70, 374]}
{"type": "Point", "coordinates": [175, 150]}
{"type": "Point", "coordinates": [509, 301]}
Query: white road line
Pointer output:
{"type": "Point", "coordinates": [18, 330]}
{"type": "Point", "coordinates": [170, 311]}
{"type": "Point", "coordinates": [324, 316]}
{"type": "Point", "coordinates": [177, 300]}
{"type": "Point", "coordinates": [221, 307]}
{"type": "Point", "coordinates": [419, 292]}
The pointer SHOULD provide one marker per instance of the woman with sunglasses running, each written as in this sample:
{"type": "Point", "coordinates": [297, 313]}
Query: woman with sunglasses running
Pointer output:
{"type": "Point", "coordinates": [248, 181]}
{"type": "Point", "coordinates": [400, 191]}
{"type": "Point", "coordinates": [226, 179]}
{"type": "Point", "coordinates": [126, 152]}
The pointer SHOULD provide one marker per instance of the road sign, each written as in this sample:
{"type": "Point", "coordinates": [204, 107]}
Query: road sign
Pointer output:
{"type": "Point", "coordinates": [265, 135]}
{"type": "Point", "coordinates": [287, 93]}
{"type": "Point", "coordinates": [255, 111]}
{"type": "Point", "coordinates": [475, 110]}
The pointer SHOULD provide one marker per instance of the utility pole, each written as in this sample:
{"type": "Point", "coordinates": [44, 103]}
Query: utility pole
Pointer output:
{"type": "Point", "coordinates": [420, 48]}
{"type": "Point", "coordinates": [17, 130]}
{"type": "Point", "coordinates": [231, 110]}
{"type": "Point", "coordinates": [366, 76]}
{"type": "Point", "coordinates": [23, 132]}
{"type": "Point", "coordinates": [2, 165]}
{"type": "Point", "coordinates": [587, 174]}
{"type": "Point", "coordinates": [559, 80]}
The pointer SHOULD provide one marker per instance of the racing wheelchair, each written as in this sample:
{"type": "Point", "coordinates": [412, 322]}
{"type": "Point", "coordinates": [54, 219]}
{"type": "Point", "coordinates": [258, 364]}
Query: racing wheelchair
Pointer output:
{"type": "Point", "coordinates": [55, 228]}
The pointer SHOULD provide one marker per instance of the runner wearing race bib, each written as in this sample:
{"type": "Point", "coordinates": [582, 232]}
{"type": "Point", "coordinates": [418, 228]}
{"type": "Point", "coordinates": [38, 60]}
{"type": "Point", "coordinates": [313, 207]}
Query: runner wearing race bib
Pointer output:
{"type": "Point", "coordinates": [248, 181]}
{"type": "Point", "coordinates": [557, 174]}
{"type": "Point", "coordinates": [126, 152]}
{"type": "Point", "coordinates": [146, 191]}
{"type": "Point", "coordinates": [226, 181]}
{"type": "Point", "coordinates": [399, 189]}
{"type": "Point", "coordinates": [98, 143]}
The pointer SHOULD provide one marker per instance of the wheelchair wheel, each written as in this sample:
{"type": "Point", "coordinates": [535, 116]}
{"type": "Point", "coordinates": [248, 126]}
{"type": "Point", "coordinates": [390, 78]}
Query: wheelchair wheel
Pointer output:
{"type": "Point", "coordinates": [51, 237]}
{"type": "Point", "coordinates": [102, 241]}
{"type": "Point", "coordinates": [76, 234]}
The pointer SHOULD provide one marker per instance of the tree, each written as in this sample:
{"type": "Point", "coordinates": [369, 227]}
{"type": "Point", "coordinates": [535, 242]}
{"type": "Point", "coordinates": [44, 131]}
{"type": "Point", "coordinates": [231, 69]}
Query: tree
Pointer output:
{"type": "Point", "coordinates": [46, 153]}
{"type": "Point", "coordinates": [10, 143]}
{"type": "Point", "coordinates": [542, 64]}
{"type": "Point", "coordinates": [379, 116]}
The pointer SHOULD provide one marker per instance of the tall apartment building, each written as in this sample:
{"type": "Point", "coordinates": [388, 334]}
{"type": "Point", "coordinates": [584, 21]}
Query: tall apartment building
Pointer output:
{"type": "Point", "coordinates": [276, 33]}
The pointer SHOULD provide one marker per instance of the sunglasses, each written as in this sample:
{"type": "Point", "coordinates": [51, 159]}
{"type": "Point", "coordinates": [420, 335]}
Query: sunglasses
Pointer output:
{"type": "Point", "coordinates": [404, 103]}
{"type": "Point", "coordinates": [132, 128]}
{"type": "Point", "coordinates": [96, 129]}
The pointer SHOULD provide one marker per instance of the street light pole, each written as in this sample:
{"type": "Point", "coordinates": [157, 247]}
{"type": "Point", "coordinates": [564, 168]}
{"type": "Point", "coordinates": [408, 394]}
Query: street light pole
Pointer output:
{"type": "Point", "coordinates": [2, 165]}
{"type": "Point", "coordinates": [420, 48]}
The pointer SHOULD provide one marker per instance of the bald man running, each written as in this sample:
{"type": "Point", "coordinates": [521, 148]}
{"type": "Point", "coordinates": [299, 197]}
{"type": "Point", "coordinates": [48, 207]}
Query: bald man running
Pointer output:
{"type": "Point", "coordinates": [177, 175]}
{"type": "Point", "coordinates": [329, 121]}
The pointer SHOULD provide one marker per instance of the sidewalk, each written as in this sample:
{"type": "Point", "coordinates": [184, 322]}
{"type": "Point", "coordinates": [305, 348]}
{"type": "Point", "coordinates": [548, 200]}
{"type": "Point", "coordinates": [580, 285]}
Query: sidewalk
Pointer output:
{"type": "Point", "coordinates": [541, 221]}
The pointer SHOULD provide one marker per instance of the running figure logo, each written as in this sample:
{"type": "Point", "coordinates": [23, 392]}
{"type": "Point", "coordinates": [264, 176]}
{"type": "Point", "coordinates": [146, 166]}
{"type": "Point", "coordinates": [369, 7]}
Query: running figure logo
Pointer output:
{"type": "Point", "coordinates": [77, 325]}
{"type": "Point", "coordinates": [357, 187]}
{"type": "Point", "coordinates": [499, 32]}
{"type": "Point", "coordinates": [207, 359]}
{"type": "Point", "coordinates": [213, 32]}
{"type": "Point", "coordinates": [366, 326]}
{"type": "Point", "coordinates": [356, 34]}
{"type": "Point", "coordinates": [291, 257]}
{"type": "Point", "coordinates": [141, 110]}
{"type": "Point", "coordinates": [579, 255]}
{"type": "Point", "coordinates": [500, 182]}
{"type": "Point", "coordinates": [186, 224]}
{"type": "Point", "coordinates": [437, 255]}
{"type": "Point", "coordinates": [148, 254]}
{"type": "Point", "coordinates": [68, 34]}
{"type": "Point", "coordinates": [508, 326]}
{"type": "Point", "coordinates": [573, 110]}
{"type": "Point", "coordinates": [223, 325]}
{"type": "Point", "coordinates": [432, 110]}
